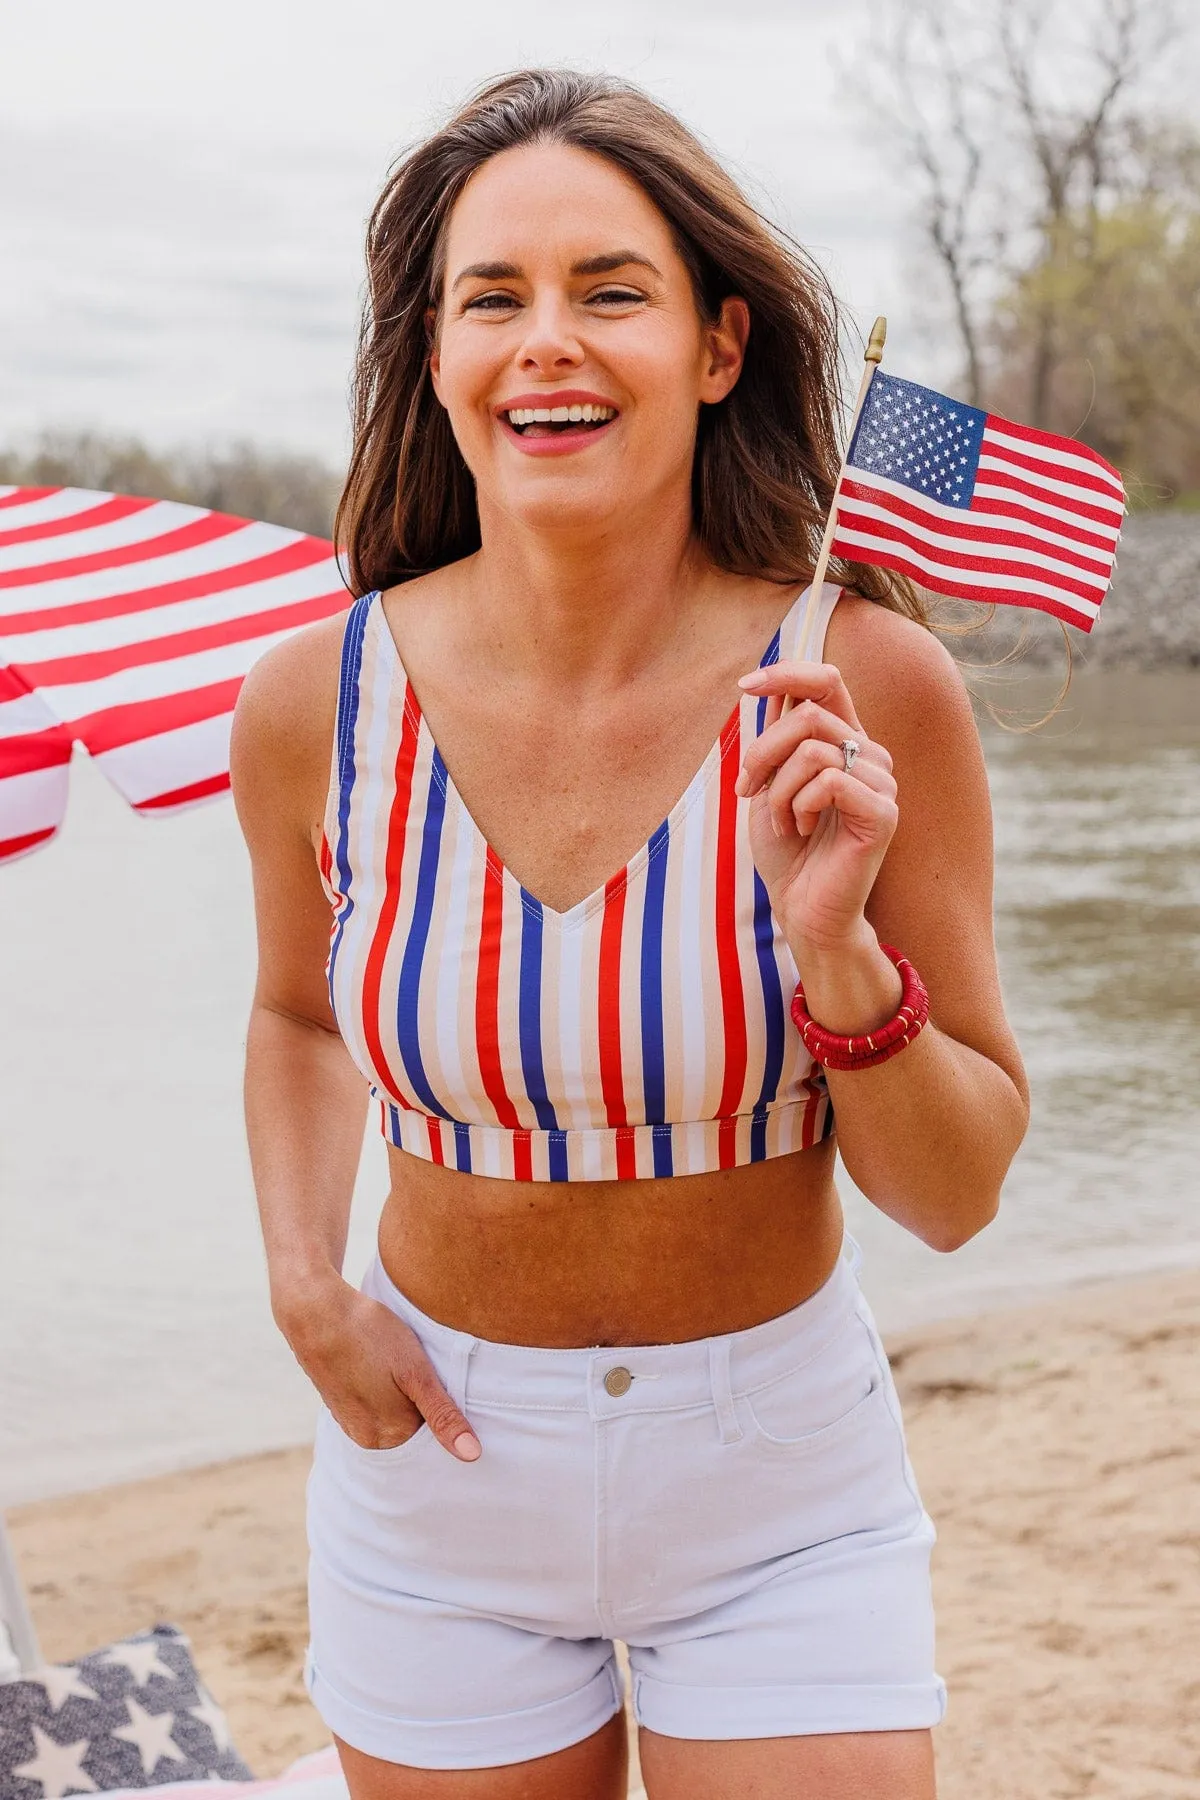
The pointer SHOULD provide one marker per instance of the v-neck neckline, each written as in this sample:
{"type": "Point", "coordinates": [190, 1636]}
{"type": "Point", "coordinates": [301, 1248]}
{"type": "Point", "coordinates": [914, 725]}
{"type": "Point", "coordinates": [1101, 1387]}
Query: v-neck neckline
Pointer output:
{"type": "Point", "coordinates": [495, 868]}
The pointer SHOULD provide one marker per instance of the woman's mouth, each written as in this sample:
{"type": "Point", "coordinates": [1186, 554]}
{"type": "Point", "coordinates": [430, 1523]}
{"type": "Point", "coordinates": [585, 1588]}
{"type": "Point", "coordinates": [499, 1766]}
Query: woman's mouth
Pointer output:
{"type": "Point", "coordinates": [575, 420]}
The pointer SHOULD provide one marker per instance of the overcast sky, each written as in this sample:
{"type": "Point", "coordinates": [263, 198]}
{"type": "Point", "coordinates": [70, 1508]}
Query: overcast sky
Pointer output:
{"type": "Point", "coordinates": [183, 188]}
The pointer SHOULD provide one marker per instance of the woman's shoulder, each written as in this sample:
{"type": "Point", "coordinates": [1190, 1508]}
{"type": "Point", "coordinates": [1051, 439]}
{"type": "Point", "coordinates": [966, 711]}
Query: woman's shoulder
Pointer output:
{"type": "Point", "coordinates": [902, 678]}
{"type": "Point", "coordinates": [286, 713]}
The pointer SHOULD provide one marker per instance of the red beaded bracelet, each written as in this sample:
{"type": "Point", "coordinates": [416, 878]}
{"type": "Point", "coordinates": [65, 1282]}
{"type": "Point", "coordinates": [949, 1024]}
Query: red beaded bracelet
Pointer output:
{"type": "Point", "coordinates": [833, 1051]}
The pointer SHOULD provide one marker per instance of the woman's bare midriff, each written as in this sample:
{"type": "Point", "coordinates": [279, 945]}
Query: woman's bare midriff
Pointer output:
{"type": "Point", "coordinates": [567, 1265]}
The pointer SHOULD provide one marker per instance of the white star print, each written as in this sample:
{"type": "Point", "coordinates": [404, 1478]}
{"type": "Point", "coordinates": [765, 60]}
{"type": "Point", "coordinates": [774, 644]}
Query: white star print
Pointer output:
{"type": "Point", "coordinates": [58, 1767]}
{"type": "Point", "coordinates": [917, 437]}
{"type": "Point", "coordinates": [141, 1658]}
{"type": "Point", "coordinates": [151, 1733]}
{"type": "Point", "coordinates": [213, 1719]}
{"type": "Point", "coordinates": [60, 1681]}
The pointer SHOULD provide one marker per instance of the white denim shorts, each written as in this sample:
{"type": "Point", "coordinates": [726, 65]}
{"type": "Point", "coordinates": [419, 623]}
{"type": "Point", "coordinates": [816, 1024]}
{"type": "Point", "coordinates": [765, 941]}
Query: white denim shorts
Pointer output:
{"type": "Point", "coordinates": [740, 1511]}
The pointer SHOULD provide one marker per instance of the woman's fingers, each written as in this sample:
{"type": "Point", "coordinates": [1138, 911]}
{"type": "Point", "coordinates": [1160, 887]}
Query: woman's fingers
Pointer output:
{"type": "Point", "coordinates": [873, 814]}
{"type": "Point", "coordinates": [797, 681]}
{"type": "Point", "coordinates": [379, 1384]}
{"type": "Point", "coordinates": [418, 1381]}
{"type": "Point", "coordinates": [782, 737]}
{"type": "Point", "coordinates": [375, 1425]}
{"type": "Point", "coordinates": [795, 796]}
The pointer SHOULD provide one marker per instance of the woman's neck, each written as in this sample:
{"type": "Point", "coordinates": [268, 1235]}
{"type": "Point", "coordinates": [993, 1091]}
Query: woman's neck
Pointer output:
{"type": "Point", "coordinates": [589, 609]}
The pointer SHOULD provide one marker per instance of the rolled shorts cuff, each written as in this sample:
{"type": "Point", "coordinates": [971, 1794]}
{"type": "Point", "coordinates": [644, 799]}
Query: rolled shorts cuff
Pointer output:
{"type": "Point", "coordinates": [761, 1711]}
{"type": "Point", "coordinates": [489, 1742]}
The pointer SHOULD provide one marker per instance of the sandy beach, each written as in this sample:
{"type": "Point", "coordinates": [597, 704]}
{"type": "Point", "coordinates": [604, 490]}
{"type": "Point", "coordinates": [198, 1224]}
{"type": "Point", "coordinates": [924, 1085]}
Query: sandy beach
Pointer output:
{"type": "Point", "coordinates": [1058, 1448]}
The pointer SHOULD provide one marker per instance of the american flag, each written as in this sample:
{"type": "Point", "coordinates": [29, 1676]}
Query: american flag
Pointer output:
{"type": "Point", "coordinates": [970, 504]}
{"type": "Point", "coordinates": [127, 627]}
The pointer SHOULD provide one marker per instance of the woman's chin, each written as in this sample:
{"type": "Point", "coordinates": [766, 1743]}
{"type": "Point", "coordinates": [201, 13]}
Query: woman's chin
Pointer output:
{"type": "Point", "coordinates": [561, 510]}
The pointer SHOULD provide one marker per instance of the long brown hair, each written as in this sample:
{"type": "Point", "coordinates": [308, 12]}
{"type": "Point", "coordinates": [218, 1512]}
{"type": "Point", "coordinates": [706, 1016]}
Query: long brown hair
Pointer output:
{"type": "Point", "coordinates": [766, 457]}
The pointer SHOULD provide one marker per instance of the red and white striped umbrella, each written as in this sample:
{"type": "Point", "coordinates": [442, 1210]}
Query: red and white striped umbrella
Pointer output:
{"type": "Point", "coordinates": [127, 626]}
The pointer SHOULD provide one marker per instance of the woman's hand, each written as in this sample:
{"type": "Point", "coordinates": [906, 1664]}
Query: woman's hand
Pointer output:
{"type": "Point", "coordinates": [819, 831]}
{"type": "Point", "coordinates": [371, 1371]}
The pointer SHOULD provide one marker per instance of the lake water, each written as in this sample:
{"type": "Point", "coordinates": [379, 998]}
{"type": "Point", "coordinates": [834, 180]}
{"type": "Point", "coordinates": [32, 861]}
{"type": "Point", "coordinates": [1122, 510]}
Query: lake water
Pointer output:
{"type": "Point", "coordinates": [134, 1330]}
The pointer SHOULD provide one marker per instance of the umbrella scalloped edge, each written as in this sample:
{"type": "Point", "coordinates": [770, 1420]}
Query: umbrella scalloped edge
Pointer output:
{"type": "Point", "coordinates": [127, 626]}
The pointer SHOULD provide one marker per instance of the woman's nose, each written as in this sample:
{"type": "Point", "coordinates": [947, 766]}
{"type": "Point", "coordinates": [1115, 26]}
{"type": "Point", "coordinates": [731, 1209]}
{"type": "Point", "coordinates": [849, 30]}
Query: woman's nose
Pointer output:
{"type": "Point", "coordinates": [551, 341]}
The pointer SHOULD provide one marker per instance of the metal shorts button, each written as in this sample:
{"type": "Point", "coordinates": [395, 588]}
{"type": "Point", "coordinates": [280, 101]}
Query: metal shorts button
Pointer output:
{"type": "Point", "coordinates": [618, 1382]}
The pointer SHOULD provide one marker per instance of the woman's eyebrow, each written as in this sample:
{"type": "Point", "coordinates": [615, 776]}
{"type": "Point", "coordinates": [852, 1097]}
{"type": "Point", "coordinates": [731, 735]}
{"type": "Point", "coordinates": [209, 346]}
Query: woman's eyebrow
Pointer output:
{"type": "Point", "coordinates": [487, 271]}
{"type": "Point", "coordinates": [613, 259]}
{"type": "Point", "coordinates": [590, 265]}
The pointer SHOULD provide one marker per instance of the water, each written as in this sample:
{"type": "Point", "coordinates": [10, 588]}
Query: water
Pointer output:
{"type": "Point", "coordinates": [1098, 928]}
{"type": "Point", "coordinates": [134, 1330]}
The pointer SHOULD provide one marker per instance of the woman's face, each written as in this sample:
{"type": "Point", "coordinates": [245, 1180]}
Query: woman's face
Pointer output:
{"type": "Point", "coordinates": [565, 296]}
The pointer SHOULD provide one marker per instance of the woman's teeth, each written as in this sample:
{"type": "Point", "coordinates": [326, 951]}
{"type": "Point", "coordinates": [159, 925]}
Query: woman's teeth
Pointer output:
{"type": "Point", "coordinates": [520, 416]}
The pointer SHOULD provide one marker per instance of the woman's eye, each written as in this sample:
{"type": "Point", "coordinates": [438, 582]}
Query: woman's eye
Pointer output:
{"type": "Point", "coordinates": [490, 303]}
{"type": "Point", "coordinates": [604, 297]}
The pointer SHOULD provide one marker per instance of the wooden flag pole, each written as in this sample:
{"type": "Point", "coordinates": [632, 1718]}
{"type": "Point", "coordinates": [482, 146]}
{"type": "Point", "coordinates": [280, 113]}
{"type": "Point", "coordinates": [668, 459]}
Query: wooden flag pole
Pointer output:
{"type": "Point", "coordinates": [872, 357]}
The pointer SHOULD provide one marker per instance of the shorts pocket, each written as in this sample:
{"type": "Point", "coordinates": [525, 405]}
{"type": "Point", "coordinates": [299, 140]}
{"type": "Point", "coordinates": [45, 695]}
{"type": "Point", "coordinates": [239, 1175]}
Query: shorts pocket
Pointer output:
{"type": "Point", "coordinates": [811, 1403]}
{"type": "Point", "coordinates": [846, 1478]}
{"type": "Point", "coordinates": [384, 1458]}
{"type": "Point", "coordinates": [813, 1441]}
{"type": "Point", "coordinates": [824, 1448]}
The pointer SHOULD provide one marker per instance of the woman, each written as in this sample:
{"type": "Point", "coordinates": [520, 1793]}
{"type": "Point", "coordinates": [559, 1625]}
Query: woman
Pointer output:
{"type": "Point", "coordinates": [611, 1375]}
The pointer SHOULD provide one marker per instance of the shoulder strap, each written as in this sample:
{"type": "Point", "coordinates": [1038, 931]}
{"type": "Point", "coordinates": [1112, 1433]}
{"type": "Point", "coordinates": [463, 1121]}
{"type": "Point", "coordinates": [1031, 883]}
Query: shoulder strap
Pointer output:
{"type": "Point", "coordinates": [802, 634]}
{"type": "Point", "coordinates": [347, 705]}
{"type": "Point", "coordinates": [341, 771]}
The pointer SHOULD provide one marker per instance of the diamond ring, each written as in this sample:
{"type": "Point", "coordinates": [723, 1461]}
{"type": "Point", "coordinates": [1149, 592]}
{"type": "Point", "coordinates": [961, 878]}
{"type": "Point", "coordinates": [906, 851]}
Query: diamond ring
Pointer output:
{"type": "Point", "coordinates": [850, 749]}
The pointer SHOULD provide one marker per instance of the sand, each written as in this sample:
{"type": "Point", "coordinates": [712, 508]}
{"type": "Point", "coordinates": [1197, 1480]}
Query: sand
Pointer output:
{"type": "Point", "coordinates": [1058, 1448]}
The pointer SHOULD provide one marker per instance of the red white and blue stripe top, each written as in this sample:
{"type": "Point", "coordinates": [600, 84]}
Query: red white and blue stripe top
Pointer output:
{"type": "Point", "coordinates": [646, 1031]}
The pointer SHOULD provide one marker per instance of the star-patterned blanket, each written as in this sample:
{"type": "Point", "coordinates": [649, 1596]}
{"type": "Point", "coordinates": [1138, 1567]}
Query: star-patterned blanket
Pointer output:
{"type": "Point", "coordinates": [134, 1715]}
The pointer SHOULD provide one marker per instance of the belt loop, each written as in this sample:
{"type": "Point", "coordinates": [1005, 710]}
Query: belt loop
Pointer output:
{"type": "Point", "coordinates": [459, 1372]}
{"type": "Point", "coordinates": [722, 1391]}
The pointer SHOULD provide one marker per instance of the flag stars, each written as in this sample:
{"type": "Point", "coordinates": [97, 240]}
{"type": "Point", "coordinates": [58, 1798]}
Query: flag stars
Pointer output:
{"type": "Point", "coordinates": [918, 438]}
{"type": "Point", "coordinates": [57, 1767]}
{"type": "Point", "coordinates": [140, 1656]}
{"type": "Point", "coordinates": [150, 1733]}
{"type": "Point", "coordinates": [914, 465]}
{"type": "Point", "coordinates": [63, 1682]}
{"type": "Point", "coordinates": [212, 1718]}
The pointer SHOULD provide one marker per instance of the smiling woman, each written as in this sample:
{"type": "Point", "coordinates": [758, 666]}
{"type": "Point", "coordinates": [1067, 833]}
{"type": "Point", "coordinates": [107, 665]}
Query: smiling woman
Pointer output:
{"type": "Point", "coordinates": [536, 424]}
{"type": "Point", "coordinates": [765, 462]}
{"type": "Point", "coordinates": [540, 860]}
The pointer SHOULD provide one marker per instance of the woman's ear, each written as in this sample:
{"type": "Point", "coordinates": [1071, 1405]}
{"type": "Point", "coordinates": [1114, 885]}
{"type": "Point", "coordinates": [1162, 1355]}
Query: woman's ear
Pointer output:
{"type": "Point", "coordinates": [725, 350]}
{"type": "Point", "coordinates": [435, 358]}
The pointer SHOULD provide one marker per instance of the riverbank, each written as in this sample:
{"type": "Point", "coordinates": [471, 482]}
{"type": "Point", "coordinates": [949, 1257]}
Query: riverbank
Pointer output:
{"type": "Point", "coordinates": [1058, 1448]}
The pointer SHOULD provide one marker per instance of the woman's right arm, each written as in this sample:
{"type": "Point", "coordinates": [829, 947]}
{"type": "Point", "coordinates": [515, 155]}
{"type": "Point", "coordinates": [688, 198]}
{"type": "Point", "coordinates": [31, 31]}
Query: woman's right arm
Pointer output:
{"type": "Point", "coordinates": [305, 1100]}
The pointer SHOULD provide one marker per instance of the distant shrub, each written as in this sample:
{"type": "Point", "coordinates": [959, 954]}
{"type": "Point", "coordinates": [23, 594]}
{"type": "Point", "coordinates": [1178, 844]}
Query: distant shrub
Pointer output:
{"type": "Point", "coordinates": [299, 491]}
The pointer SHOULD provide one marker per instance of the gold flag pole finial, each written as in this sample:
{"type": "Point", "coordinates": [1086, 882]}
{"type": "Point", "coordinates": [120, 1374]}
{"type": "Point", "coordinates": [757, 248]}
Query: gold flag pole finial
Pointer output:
{"type": "Point", "coordinates": [878, 338]}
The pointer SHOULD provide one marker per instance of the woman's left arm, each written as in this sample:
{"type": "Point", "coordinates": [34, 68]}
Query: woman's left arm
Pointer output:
{"type": "Point", "coordinates": [897, 850]}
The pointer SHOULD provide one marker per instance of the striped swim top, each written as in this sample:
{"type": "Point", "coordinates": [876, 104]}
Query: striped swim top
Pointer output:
{"type": "Point", "coordinates": [646, 1031]}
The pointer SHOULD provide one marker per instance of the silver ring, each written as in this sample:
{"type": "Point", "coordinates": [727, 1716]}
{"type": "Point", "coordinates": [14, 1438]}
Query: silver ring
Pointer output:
{"type": "Point", "coordinates": [850, 749]}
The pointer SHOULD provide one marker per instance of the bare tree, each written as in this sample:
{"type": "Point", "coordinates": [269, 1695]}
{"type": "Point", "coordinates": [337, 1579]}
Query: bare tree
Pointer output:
{"type": "Point", "coordinates": [1120, 301]}
{"type": "Point", "coordinates": [930, 96]}
{"type": "Point", "coordinates": [1076, 146]}
{"type": "Point", "coordinates": [1014, 123]}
